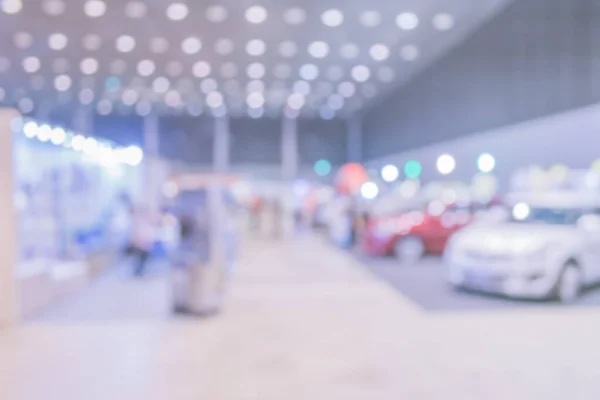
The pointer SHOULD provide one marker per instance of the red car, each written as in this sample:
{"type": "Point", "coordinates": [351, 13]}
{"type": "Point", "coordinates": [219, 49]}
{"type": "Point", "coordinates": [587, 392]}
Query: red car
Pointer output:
{"type": "Point", "coordinates": [412, 234]}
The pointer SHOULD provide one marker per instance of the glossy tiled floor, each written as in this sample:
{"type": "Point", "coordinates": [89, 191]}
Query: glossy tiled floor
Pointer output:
{"type": "Point", "coordinates": [305, 322]}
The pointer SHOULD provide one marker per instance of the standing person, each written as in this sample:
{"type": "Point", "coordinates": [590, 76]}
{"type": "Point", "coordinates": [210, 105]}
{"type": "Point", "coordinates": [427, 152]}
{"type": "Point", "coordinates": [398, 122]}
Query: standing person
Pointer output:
{"type": "Point", "coordinates": [142, 239]}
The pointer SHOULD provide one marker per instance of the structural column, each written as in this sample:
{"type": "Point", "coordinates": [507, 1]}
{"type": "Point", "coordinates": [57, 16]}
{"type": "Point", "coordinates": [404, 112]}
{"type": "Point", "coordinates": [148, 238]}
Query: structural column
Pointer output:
{"type": "Point", "coordinates": [221, 160]}
{"type": "Point", "coordinates": [355, 145]}
{"type": "Point", "coordinates": [151, 165]}
{"type": "Point", "coordinates": [289, 149]}
{"type": "Point", "coordinates": [8, 227]}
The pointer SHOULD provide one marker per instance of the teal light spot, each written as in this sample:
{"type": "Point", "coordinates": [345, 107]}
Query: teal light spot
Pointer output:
{"type": "Point", "coordinates": [412, 169]}
{"type": "Point", "coordinates": [112, 84]}
{"type": "Point", "coordinates": [323, 167]}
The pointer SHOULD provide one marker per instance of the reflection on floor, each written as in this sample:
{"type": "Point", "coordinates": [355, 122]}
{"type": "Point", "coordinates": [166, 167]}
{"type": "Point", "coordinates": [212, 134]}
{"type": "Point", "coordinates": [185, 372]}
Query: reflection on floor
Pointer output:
{"type": "Point", "coordinates": [305, 321]}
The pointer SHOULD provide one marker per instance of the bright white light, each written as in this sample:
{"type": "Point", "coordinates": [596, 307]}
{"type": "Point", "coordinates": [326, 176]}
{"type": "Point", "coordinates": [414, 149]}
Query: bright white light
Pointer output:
{"type": "Point", "coordinates": [146, 67]}
{"type": "Point", "coordinates": [288, 49]}
{"type": "Point", "coordinates": [11, 6]}
{"type": "Point", "coordinates": [90, 146]}
{"type": "Point", "coordinates": [30, 129]}
{"type": "Point", "coordinates": [216, 13]}
{"type": "Point", "coordinates": [347, 89]}
{"type": "Point", "coordinates": [370, 19]}
{"type": "Point", "coordinates": [407, 21]}
{"type": "Point", "coordinates": [161, 84]}
{"type": "Point", "coordinates": [44, 133]}
{"type": "Point", "coordinates": [214, 99]}
{"type": "Point", "coordinates": [349, 51]}
{"type": "Point", "coordinates": [295, 101]}
{"type": "Point", "coordinates": [57, 41]}
{"type": "Point", "coordinates": [92, 42]}
{"type": "Point", "coordinates": [443, 22]}
{"type": "Point", "coordinates": [445, 164]}
{"type": "Point", "coordinates": [369, 190]}
{"type": "Point", "coordinates": [125, 43]}
{"type": "Point", "coordinates": [486, 162]}
{"type": "Point", "coordinates": [208, 85]}
{"type": "Point", "coordinates": [255, 100]}
{"type": "Point", "coordinates": [62, 83]}
{"type": "Point", "coordinates": [256, 14]}
{"type": "Point", "coordinates": [177, 11]}
{"type": "Point", "coordinates": [94, 8]}
{"type": "Point", "coordinates": [256, 47]}
{"type": "Point", "coordinates": [191, 45]}
{"type": "Point", "coordinates": [89, 66]}
{"type": "Point", "coordinates": [159, 45]}
{"type": "Point", "coordinates": [201, 69]}
{"type": "Point", "coordinates": [318, 49]}
{"type": "Point", "coordinates": [131, 155]}
{"type": "Point", "coordinates": [332, 18]}
{"type": "Point", "coordinates": [361, 73]}
{"type": "Point", "coordinates": [136, 9]}
{"type": "Point", "coordinates": [294, 16]}
{"type": "Point", "coordinates": [379, 52]}
{"type": "Point", "coordinates": [301, 87]}
{"type": "Point", "coordinates": [78, 142]}
{"type": "Point", "coordinates": [409, 52]}
{"type": "Point", "coordinates": [521, 211]}
{"type": "Point", "coordinates": [309, 72]}
{"type": "Point", "coordinates": [390, 173]}
{"type": "Point", "coordinates": [58, 136]}
{"type": "Point", "coordinates": [31, 64]}
{"type": "Point", "coordinates": [224, 46]}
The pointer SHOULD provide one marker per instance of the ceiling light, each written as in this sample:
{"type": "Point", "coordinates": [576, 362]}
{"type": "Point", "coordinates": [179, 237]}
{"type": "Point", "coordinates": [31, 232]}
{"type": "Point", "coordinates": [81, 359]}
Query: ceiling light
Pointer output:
{"type": "Point", "coordinates": [255, 100]}
{"type": "Point", "coordinates": [160, 84]}
{"type": "Point", "coordinates": [12, 6]}
{"type": "Point", "coordinates": [288, 49]}
{"type": "Point", "coordinates": [104, 107]}
{"type": "Point", "coordinates": [318, 49]}
{"type": "Point", "coordinates": [255, 70]}
{"type": "Point", "coordinates": [201, 69]}
{"type": "Point", "coordinates": [379, 52]}
{"type": "Point", "coordinates": [146, 67]}
{"type": "Point", "coordinates": [57, 41]}
{"type": "Point", "coordinates": [295, 101]}
{"type": "Point", "coordinates": [309, 72]}
{"type": "Point", "coordinates": [294, 16]}
{"type": "Point", "coordinates": [23, 40]}
{"type": "Point", "coordinates": [301, 87]}
{"type": "Point", "coordinates": [256, 14]}
{"type": "Point", "coordinates": [409, 52]}
{"type": "Point", "coordinates": [407, 21]}
{"type": "Point", "coordinates": [256, 47]}
{"type": "Point", "coordinates": [216, 13]}
{"type": "Point", "coordinates": [229, 70]}
{"type": "Point", "coordinates": [31, 64]}
{"type": "Point", "coordinates": [332, 18]}
{"type": "Point", "coordinates": [214, 99]}
{"type": "Point", "coordinates": [94, 8]}
{"type": "Point", "coordinates": [54, 7]}
{"type": "Point", "coordinates": [62, 83]}
{"type": "Point", "coordinates": [191, 45]}
{"type": "Point", "coordinates": [224, 46]}
{"type": "Point", "coordinates": [88, 66]}
{"type": "Point", "coordinates": [136, 9]}
{"type": "Point", "coordinates": [86, 96]}
{"type": "Point", "coordinates": [92, 42]}
{"type": "Point", "coordinates": [349, 51]}
{"type": "Point", "coordinates": [255, 86]}
{"type": "Point", "coordinates": [370, 19]}
{"type": "Point", "coordinates": [125, 43]}
{"type": "Point", "coordinates": [361, 73]}
{"type": "Point", "coordinates": [129, 97]}
{"type": "Point", "coordinates": [282, 71]}
{"type": "Point", "coordinates": [443, 21]}
{"type": "Point", "coordinates": [335, 102]}
{"type": "Point", "coordinates": [347, 89]}
{"type": "Point", "coordinates": [177, 11]}
{"type": "Point", "coordinates": [209, 85]}
{"type": "Point", "coordinates": [58, 136]}
{"type": "Point", "coordinates": [159, 45]}
{"type": "Point", "coordinates": [173, 98]}
{"type": "Point", "coordinates": [25, 105]}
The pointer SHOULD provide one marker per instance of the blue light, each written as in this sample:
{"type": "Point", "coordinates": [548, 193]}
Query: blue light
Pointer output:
{"type": "Point", "coordinates": [112, 84]}
{"type": "Point", "coordinates": [323, 167]}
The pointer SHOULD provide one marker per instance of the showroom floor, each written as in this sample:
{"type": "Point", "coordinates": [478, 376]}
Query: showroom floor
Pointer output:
{"type": "Point", "coordinates": [304, 321]}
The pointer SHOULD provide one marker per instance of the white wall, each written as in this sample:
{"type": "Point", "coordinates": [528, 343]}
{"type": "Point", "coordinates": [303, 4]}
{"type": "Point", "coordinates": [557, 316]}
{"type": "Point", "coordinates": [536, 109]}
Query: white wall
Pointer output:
{"type": "Point", "coordinates": [571, 138]}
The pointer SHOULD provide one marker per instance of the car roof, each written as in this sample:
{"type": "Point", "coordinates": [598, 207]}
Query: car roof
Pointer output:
{"type": "Point", "coordinates": [557, 199]}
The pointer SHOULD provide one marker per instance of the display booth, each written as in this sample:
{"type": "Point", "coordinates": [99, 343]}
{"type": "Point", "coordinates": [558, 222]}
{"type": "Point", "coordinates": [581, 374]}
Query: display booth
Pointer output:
{"type": "Point", "coordinates": [70, 197]}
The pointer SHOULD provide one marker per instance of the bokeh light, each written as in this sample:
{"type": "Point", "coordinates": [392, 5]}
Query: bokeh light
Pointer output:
{"type": "Point", "coordinates": [445, 164]}
{"type": "Point", "coordinates": [486, 163]}
{"type": "Point", "coordinates": [412, 169]}
{"type": "Point", "coordinates": [390, 173]}
{"type": "Point", "coordinates": [323, 167]}
{"type": "Point", "coordinates": [369, 190]}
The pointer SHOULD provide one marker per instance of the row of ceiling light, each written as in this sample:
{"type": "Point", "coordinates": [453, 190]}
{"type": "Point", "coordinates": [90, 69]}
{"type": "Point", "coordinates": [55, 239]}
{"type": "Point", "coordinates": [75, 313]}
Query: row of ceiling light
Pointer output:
{"type": "Point", "coordinates": [255, 14]}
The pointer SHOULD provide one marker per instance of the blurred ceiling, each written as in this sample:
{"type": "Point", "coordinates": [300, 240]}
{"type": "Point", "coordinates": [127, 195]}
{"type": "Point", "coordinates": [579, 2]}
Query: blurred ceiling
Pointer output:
{"type": "Point", "coordinates": [315, 59]}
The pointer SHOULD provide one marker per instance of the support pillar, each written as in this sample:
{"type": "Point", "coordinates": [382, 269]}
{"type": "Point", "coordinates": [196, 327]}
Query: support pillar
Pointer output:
{"type": "Point", "coordinates": [355, 145]}
{"type": "Point", "coordinates": [289, 149]}
{"type": "Point", "coordinates": [151, 190]}
{"type": "Point", "coordinates": [9, 309]}
{"type": "Point", "coordinates": [221, 162]}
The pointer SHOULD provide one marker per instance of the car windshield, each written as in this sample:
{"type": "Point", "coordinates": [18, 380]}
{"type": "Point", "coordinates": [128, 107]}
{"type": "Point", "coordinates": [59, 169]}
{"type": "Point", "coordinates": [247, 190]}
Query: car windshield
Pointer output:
{"type": "Point", "coordinates": [523, 213]}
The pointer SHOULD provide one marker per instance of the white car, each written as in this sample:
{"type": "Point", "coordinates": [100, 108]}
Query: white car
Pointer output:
{"type": "Point", "coordinates": [549, 246]}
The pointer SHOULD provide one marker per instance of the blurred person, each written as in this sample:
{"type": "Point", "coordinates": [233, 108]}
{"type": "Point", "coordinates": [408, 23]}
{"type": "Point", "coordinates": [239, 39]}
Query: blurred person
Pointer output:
{"type": "Point", "coordinates": [142, 239]}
